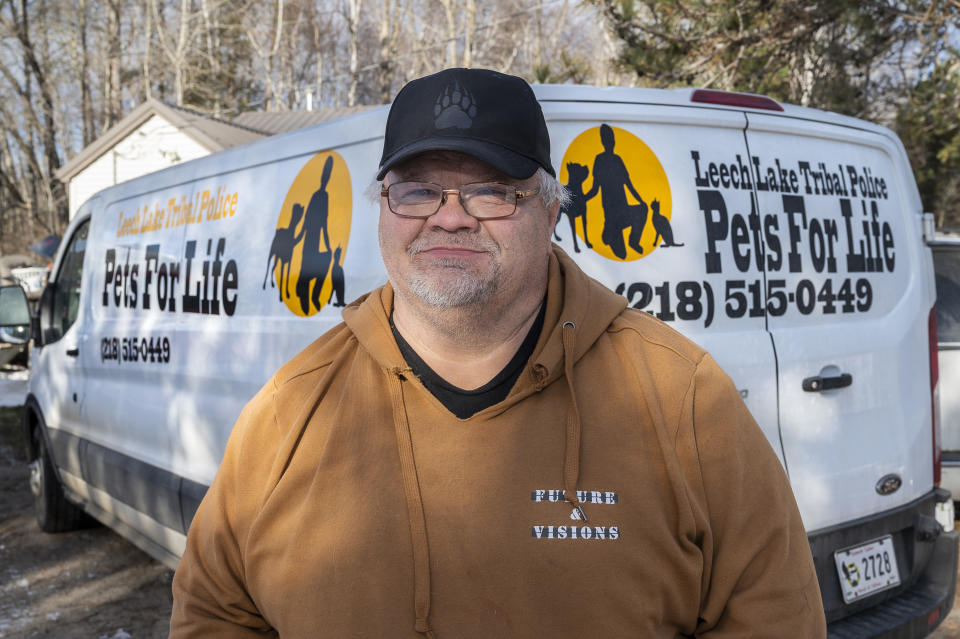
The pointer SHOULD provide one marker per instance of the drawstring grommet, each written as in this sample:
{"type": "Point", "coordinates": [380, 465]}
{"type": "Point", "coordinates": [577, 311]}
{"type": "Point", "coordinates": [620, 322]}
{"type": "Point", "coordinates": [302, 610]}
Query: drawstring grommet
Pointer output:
{"type": "Point", "coordinates": [569, 323]}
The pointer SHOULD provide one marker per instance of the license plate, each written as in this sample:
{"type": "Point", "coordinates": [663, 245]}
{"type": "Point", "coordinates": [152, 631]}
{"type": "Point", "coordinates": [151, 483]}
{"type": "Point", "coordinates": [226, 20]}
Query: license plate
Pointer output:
{"type": "Point", "coordinates": [867, 568]}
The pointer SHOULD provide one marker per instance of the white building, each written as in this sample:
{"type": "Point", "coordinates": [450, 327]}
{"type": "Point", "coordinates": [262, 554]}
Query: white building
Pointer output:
{"type": "Point", "coordinates": [156, 135]}
{"type": "Point", "coordinates": [153, 136]}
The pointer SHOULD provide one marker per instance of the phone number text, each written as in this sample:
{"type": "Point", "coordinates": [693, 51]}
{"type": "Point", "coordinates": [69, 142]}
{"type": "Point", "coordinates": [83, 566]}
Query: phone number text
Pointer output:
{"type": "Point", "coordinates": [696, 301]}
{"type": "Point", "coordinates": [135, 349]}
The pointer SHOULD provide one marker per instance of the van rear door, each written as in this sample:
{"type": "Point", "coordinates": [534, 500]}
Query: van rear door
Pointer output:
{"type": "Point", "coordinates": [701, 268]}
{"type": "Point", "coordinates": [847, 307]}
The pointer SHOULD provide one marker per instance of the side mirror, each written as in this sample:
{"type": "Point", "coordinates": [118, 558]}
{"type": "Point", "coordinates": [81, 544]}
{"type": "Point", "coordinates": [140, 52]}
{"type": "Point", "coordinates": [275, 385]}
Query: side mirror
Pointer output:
{"type": "Point", "coordinates": [42, 322]}
{"type": "Point", "coordinates": [14, 315]}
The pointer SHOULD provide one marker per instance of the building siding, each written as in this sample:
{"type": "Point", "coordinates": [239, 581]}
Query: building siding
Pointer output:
{"type": "Point", "coordinates": [154, 145]}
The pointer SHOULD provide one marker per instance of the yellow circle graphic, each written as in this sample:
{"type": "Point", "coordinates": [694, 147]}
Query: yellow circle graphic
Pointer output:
{"type": "Point", "coordinates": [310, 242]}
{"type": "Point", "coordinates": [621, 206]}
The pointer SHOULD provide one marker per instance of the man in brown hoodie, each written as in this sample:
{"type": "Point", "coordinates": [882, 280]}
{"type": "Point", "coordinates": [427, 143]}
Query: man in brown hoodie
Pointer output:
{"type": "Point", "coordinates": [492, 445]}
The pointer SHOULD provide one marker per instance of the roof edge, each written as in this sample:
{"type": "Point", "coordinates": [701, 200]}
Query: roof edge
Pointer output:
{"type": "Point", "coordinates": [176, 116]}
{"type": "Point", "coordinates": [86, 156]}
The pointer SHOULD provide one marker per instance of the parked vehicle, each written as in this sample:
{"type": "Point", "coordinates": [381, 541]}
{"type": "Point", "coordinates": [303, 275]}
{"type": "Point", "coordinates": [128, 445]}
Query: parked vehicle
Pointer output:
{"type": "Point", "coordinates": [14, 324]}
{"type": "Point", "coordinates": [789, 242]}
{"type": "Point", "coordinates": [29, 273]}
{"type": "Point", "coordinates": [946, 264]}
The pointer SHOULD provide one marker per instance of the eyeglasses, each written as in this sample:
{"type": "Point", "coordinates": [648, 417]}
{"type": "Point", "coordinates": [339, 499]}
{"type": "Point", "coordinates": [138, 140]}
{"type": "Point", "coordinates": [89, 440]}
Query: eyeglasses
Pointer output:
{"type": "Point", "coordinates": [482, 200]}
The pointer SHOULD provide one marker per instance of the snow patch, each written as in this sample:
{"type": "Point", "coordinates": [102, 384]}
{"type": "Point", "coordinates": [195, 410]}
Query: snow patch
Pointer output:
{"type": "Point", "coordinates": [13, 387]}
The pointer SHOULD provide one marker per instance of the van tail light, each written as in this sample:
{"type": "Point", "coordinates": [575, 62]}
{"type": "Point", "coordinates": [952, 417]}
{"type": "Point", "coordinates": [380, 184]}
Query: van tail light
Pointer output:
{"type": "Point", "coordinates": [934, 393]}
{"type": "Point", "coordinates": [730, 98]}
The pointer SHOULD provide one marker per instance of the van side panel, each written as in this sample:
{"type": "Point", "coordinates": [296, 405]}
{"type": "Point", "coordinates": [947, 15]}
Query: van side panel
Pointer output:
{"type": "Point", "coordinates": [850, 299]}
{"type": "Point", "coordinates": [203, 288]}
{"type": "Point", "coordinates": [128, 394]}
{"type": "Point", "coordinates": [301, 244]}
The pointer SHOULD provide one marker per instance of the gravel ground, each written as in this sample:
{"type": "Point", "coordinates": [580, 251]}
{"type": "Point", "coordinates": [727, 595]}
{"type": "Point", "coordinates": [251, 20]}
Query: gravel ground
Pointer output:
{"type": "Point", "coordinates": [88, 584]}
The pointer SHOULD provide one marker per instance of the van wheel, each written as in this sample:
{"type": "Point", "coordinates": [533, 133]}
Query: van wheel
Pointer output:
{"type": "Point", "coordinates": [53, 511]}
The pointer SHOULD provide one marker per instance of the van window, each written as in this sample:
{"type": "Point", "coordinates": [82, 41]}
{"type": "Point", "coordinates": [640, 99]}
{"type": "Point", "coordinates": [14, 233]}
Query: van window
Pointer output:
{"type": "Point", "coordinates": [66, 299]}
{"type": "Point", "coordinates": [946, 263]}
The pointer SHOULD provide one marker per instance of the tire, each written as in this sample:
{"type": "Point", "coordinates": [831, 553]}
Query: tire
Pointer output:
{"type": "Point", "coordinates": [54, 512]}
{"type": "Point", "coordinates": [22, 358]}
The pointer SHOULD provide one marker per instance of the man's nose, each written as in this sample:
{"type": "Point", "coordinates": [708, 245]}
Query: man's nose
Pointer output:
{"type": "Point", "coordinates": [451, 216]}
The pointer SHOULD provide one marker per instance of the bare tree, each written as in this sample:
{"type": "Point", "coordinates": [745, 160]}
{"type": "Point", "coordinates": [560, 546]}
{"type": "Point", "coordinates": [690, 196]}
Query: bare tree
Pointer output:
{"type": "Point", "coordinates": [72, 68]}
{"type": "Point", "coordinates": [175, 47]}
{"type": "Point", "coordinates": [114, 108]}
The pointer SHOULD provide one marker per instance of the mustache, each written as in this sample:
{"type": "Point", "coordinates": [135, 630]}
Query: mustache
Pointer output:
{"type": "Point", "coordinates": [425, 242]}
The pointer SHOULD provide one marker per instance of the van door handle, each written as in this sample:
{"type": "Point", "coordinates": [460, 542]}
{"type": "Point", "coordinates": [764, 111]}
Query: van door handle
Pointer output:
{"type": "Point", "coordinates": [817, 383]}
{"type": "Point", "coordinates": [73, 352]}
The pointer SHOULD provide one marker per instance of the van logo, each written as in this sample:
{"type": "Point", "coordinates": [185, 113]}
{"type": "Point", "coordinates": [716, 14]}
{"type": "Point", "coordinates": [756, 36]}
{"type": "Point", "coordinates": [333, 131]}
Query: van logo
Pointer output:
{"type": "Point", "coordinates": [621, 205]}
{"type": "Point", "coordinates": [889, 484]}
{"type": "Point", "coordinates": [851, 573]}
{"type": "Point", "coordinates": [305, 262]}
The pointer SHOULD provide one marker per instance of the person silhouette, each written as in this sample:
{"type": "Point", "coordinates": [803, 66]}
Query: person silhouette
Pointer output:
{"type": "Point", "coordinates": [610, 178]}
{"type": "Point", "coordinates": [315, 263]}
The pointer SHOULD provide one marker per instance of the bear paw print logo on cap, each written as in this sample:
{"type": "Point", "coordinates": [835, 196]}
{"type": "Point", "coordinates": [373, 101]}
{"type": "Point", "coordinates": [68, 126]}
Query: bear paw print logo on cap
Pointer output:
{"type": "Point", "coordinates": [455, 107]}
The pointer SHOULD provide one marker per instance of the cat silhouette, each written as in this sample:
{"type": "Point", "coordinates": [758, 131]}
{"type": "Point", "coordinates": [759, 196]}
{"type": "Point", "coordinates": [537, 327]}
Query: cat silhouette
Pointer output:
{"type": "Point", "coordinates": [577, 206]}
{"type": "Point", "coordinates": [662, 226]}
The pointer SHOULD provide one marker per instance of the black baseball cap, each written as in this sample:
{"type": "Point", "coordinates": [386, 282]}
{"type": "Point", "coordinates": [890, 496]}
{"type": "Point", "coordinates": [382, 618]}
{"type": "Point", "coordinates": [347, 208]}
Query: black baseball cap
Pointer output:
{"type": "Point", "coordinates": [488, 115]}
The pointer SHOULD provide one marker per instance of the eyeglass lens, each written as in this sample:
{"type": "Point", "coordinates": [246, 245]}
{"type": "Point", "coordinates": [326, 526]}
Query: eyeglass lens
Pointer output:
{"type": "Point", "coordinates": [480, 199]}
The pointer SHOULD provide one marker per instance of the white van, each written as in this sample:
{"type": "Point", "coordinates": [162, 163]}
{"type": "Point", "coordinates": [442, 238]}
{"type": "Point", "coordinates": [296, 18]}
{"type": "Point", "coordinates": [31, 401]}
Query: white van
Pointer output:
{"type": "Point", "coordinates": [789, 242]}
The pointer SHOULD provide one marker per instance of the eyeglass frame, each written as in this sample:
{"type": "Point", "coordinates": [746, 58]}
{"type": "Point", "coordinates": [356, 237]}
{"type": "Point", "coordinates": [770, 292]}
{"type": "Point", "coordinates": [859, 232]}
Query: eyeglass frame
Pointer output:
{"type": "Point", "coordinates": [520, 195]}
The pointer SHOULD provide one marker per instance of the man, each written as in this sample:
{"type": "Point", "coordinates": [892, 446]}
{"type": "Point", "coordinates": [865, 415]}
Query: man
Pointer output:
{"type": "Point", "coordinates": [491, 445]}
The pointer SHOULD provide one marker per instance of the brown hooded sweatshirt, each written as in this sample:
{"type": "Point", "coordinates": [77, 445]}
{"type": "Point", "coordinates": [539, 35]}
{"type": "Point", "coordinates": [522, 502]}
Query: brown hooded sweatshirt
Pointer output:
{"type": "Point", "coordinates": [622, 489]}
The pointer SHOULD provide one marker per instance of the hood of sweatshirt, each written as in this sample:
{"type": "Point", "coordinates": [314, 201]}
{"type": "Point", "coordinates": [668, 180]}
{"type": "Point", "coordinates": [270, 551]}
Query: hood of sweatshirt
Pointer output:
{"type": "Point", "coordinates": [579, 310]}
{"type": "Point", "coordinates": [573, 298]}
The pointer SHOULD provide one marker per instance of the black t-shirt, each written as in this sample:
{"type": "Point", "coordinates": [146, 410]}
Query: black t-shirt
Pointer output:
{"type": "Point", "coordinates": [464, 403]}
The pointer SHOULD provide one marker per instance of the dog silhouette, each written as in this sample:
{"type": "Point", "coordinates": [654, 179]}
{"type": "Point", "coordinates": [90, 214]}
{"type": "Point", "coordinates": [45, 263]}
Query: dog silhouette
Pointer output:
{"type": "Point", "coordinates": [662, 226]}
{"type": "Point", "coordinates": [281, 252]}
{"type": "Point", "coordinates": [577, 207]}
{"type": "Point", "coordinates": [336, 277]}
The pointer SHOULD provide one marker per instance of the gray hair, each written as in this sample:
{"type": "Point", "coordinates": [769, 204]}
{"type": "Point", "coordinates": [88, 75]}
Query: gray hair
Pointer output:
{"type": "Point", "coordinates": [551, 191]}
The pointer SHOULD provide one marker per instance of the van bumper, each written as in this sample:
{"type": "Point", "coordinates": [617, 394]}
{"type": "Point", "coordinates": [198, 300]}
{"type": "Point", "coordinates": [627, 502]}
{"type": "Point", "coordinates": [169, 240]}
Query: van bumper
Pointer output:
{"type": "Point", "coordinates": [927, 562]}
